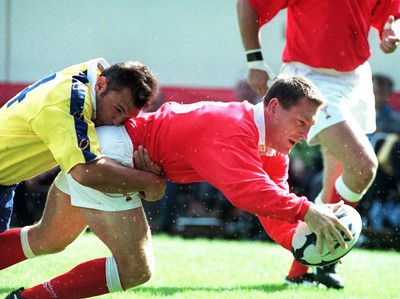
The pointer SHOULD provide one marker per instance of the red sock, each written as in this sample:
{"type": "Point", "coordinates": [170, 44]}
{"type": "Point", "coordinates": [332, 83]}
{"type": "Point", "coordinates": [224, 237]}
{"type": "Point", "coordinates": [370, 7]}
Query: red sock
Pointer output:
{"type": "Point", "coordinates": [297, 270]}
{"type": "Point", "coordinates": [335, 198]}
{"type": "Point", "coordinates": [85, 280]}
{"type": "Point", "coordinates": [11, 248]}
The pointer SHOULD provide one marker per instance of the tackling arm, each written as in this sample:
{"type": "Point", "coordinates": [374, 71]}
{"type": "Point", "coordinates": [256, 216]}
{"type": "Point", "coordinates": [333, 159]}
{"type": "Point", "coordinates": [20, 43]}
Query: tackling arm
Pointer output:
{"type": "Point", "coordinates": [109, 176]}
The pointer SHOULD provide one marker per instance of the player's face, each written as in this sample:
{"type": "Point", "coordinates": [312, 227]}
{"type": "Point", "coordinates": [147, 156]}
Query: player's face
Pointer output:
{"type": "Point", "coordinates": [291, 126]}
{"type": "Point", "coordinates": [114, 107]}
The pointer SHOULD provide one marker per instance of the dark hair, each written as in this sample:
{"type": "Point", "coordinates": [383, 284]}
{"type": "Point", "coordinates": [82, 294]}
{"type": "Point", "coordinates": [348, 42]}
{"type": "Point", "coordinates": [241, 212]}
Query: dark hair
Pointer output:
{"type": "Point", "coordinates": [289, 90]}
{"type": "Point", "coordinates": [382, 80]}
{"type": "Point", "coordinates": [137, 77]}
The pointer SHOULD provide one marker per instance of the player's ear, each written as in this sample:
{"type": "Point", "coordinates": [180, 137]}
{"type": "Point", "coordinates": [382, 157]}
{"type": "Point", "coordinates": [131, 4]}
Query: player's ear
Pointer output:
{"type": "Point", "coordinates": [101, 84]}
{"type": "Point", "coordinates": [273, 105]}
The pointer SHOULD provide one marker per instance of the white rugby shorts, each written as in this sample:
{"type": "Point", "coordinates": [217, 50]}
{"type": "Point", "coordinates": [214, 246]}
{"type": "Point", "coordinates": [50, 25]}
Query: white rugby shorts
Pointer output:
{"type": "Point", "coordinates": [349, 95]}
{"type": "Point", "coordinates": [115, 144]}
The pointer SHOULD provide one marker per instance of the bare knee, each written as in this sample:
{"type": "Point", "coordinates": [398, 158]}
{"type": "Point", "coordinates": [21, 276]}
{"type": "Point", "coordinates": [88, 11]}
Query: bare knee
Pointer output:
{"type": "Point", "coordinates": [369, 166]}
{"type": "Point", "coordinates": [135, 274]}
{"type": "Point", "coordinates": [363, 172]}
{"type": "Point", "coordinates": [143, 275]}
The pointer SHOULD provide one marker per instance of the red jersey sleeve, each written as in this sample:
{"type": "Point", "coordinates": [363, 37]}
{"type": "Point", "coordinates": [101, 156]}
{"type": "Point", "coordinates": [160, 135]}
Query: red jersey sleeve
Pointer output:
{"type": "Point", "coordinates": [267, 10]}
{"type": "Point", "coordinates": [234, 167]}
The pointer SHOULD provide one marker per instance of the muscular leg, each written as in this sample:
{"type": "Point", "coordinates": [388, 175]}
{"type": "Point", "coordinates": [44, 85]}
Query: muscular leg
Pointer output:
{"type": "Point", "coordinates": [58, 216]}
{"type": "Point", "coordinates": [347, 152]}
{"type": "Point", "coordinates": [127, 235]}
{"type": "Point", "coordinates": [333, 168]}
{"type": "Point", "coordinates": [350, 166]}
{"type": "Point", "coordinates": [44, 237]}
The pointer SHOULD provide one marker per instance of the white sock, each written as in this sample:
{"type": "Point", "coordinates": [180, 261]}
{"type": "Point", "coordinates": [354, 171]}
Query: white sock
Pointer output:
{"type": "Point", "coordinates": [112, 276]}
{"type": "Point", "coordinates": [346, 193]}
{"type": "Point", "coordinates": [318, 199]}
{"type": "Point", "coordinates": [26, 248]}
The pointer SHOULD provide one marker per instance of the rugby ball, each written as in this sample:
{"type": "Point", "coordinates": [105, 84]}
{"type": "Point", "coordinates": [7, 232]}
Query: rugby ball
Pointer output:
{"type": "Point", "coordinates": [304, 241]}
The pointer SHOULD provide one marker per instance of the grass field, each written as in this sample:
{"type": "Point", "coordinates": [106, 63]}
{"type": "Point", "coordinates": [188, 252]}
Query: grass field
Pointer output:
{"type": "Point", "coordinates": [200, 268]}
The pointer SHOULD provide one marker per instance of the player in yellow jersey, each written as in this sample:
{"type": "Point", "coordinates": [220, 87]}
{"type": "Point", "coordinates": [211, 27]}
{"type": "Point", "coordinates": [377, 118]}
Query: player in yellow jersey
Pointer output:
{"type": "Point", "coordinates": [52, 122]}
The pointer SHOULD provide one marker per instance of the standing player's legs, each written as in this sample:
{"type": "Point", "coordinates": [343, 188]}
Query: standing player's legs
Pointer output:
{"type": "Point", "coordinates": [350, 166]}
{"type": "Point", "coordinates": [6, 206]}
{"type": "Point", "coordinates": [350, 163]}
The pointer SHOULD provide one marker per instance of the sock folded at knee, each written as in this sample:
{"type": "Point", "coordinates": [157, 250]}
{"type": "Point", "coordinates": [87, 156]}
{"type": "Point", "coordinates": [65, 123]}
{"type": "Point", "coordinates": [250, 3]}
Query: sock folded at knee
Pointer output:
{"type": "Point", "coordinates": [318, 199]}
{"type": "Point", "coordinates": [26, 248]}
{"type": "Point", "coordinates": [342, 192]}
{"type": "Point", "coordinates": [112, 276]}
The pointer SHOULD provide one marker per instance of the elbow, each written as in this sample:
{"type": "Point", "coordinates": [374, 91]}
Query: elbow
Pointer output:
{"type": "Point", "coordinates": [81, 173]}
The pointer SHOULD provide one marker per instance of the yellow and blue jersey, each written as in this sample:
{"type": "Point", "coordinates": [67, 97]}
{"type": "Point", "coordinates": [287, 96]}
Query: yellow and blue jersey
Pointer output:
{"type": "Point", "coordinates": [50, 123]}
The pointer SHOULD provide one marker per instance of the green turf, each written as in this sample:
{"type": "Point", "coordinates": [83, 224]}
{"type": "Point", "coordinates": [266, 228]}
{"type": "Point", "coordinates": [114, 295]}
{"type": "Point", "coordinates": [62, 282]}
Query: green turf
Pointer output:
{"type": "Point", "coordinates": [199, 268]}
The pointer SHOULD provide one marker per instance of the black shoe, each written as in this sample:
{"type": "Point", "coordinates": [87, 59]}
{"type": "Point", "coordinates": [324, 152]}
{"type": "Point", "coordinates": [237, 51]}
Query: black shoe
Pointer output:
{"type": "Point", "coordinates": [16, 294]}
{"type": "Point", "coordinates": [307, 279]}
{"type": "Point", "coordinates": [329, 276]}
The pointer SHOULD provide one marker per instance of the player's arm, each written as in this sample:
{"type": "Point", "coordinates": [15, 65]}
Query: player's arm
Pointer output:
{"type": "Point", "coordinates": [76, 149]}
{"type": "Point", "coordinates": [248, 25]}
{"type": "Point", "coordinates": [234, 167]}
{"type": "Point", "coordinates": [320, 219]}
{"type": "Point", "coordinates": [249, 30]}
{"type": "Point", "coordinates": [106, 175]}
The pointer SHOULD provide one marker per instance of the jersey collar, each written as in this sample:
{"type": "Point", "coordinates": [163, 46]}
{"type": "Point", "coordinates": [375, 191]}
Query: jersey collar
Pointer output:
{"type": "Point", "coordinates": [95, 65]}
{"type": "Point", "coordinates": [259, 120]}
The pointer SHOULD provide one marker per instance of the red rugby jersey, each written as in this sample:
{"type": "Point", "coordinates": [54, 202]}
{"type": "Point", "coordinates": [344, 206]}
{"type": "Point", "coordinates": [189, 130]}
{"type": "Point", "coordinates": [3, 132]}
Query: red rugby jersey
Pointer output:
{"type": "Point", "coordinates": [219, 143]}
{"type": "Point", "coordinates": [330, 33]}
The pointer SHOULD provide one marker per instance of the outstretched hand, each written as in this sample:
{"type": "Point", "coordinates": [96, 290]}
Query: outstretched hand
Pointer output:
{"type": "Point", "coordinates": [322, 221]}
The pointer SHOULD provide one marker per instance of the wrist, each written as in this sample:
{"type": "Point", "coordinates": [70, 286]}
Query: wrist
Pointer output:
{"type": "Point", "coordinates": [255, 60]}
{"type": "Point", "coordinates": [306, 207]}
